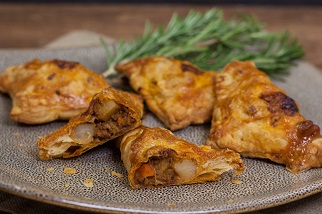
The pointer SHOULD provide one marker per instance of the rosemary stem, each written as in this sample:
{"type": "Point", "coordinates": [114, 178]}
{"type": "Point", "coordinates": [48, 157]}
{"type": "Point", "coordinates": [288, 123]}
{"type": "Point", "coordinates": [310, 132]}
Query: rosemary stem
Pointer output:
{"type": "Point", "coordinates": [210, 42]}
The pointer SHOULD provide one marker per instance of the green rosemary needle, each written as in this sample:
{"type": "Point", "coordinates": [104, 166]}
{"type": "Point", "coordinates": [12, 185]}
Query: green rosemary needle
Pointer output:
{"type": "Point", "coordinates": [210, 42]}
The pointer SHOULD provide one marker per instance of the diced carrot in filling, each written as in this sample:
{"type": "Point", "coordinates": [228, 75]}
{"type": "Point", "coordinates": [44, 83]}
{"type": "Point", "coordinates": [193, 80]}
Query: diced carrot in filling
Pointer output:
{"type": "Point", "coordinates": [146, 170]}
{"type": "Point", "coordinates": [165, 169]}
{"type": "Point", "coordinates": [156, 171]}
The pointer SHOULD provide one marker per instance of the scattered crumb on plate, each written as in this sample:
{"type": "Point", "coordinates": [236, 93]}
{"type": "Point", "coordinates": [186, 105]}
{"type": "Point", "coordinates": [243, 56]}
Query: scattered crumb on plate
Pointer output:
{"type": "Point", "coordinates": [119, 175]}
{"type": "Point", "coordinates": [66, 185]}
{"type": "Point", "coordinates": [107, 169]}
{"type": "Point", "coordinates": [88, 183]}
{"type": "Point", "coordinates": [50, 169]}
{"type": "Point", "coordinates": [171, 204]}
{"type": "Point", "coordinates": [230, 201]}
{"type": "Point", "coordinates": [69, 171]}
{"type": "Point", "coordinates": [235, 181]}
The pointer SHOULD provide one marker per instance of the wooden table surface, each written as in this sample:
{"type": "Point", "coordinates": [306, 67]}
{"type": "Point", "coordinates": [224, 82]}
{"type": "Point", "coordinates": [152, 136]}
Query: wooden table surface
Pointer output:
{"type": "Point", "coordinates": [34, 25]}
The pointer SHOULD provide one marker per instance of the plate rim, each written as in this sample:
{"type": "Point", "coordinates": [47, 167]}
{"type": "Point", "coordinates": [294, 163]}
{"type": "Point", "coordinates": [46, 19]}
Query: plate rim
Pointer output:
{"type": "Point", "coordinates": [65, 201]}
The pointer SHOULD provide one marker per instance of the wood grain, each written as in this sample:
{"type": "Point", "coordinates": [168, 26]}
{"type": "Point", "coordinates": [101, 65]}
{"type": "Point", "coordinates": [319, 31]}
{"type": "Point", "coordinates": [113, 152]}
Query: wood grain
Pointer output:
{"type": "Point", "coordinates": [34, 25]}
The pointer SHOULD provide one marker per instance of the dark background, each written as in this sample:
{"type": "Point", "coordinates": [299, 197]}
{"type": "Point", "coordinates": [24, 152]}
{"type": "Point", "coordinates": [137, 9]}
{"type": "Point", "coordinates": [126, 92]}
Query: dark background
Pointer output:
{"type": "Point", "coordinates": [253, 2]}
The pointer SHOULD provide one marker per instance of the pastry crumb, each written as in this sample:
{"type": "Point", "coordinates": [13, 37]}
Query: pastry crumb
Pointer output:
{"type": "Point", "coordinates": [171, 204]}
{"type": "Point", "coordinates": [16, 134]}
{"type": "Point", "coordinates": [89, 183]}
{"type": "Point", "coordinates": [50, 169]}
{"type": "Point", "coordinates": [107, 169]}
{"type": "Point", "coordinates": [235, 181]}
{"type": "Point", "coordinates": [230, 201]}
{"type": "Point", "coordinates": [119, 175]}
{"type": "Point", "coordinates": [69, 171]}
{"type": "Point", "coordinates": [66, 185]}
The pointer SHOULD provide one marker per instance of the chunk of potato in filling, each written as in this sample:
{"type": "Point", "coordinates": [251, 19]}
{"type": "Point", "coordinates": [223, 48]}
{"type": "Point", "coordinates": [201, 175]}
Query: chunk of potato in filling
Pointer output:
{"type": "Point", "coordinates": [105, 110]}
{"type": "Point", "coordinates": [86, 134]}
{"type": "Point", "coordinates": [83, 133]}
{"type": "Point", "coordinates": [166, 170]}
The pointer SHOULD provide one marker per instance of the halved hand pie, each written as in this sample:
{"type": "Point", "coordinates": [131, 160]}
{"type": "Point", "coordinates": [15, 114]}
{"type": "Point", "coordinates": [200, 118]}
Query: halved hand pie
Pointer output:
{"type": "Point", "coordinates": [110, 114]}
{"type": "Point", "coordinates": [154, 157]}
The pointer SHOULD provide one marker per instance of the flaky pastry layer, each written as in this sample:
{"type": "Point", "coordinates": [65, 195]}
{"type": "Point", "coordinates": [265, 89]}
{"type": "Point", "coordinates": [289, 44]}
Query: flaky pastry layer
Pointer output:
{"type": "Point", "coordinates": [254, 117]}
{"type": "Point", "coordinates": [44, 91]}
{"type": "Point", "coordinates": [177, 92]}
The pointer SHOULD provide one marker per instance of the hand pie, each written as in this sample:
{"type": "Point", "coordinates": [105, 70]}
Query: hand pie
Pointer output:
{"type": "Point", "coordinates": [110, 114]}
{"type": "Point", "coordinates": [46, 91]}
{"type": "Point", "coordinates": [177, 92]}
{"type": "Point", "coordinates": [257, 119]}
{"type": "Point", "coordinates": [154, 157]}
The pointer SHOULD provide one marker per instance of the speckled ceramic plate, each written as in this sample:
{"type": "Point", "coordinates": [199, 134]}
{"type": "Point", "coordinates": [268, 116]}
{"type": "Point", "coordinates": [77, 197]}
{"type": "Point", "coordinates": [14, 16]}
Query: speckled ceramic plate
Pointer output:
{"type": "Point", "coordinates": [264, 184]}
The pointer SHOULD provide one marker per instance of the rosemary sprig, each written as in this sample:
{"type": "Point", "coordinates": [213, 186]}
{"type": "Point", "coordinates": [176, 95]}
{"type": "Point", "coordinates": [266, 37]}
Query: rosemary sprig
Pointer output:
{"type": "Point", "coordinates": [210, 42]}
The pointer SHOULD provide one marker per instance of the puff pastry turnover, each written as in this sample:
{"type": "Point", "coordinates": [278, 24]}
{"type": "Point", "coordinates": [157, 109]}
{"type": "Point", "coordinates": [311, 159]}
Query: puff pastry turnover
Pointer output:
{"type": "Point", "coordinates": [46, 91]}
{"type": "Point", "coordinates": [154, 157]}
{"type": "Point", "coordinates": [110, 114]}
{"type": "Point", "coordinates": [254, 117]}
{"type": "Point", "coordinates": [177, 92]}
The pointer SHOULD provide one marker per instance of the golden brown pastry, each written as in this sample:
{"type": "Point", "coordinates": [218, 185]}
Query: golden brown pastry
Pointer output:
{"type": "Point", "coordinates": [254, 117]}
{"type": "Point", "coordinates": [177, 92]}
{"type": "Point", "coordinates": [154, 157]}
{"type": "Point", "coordinates": [110, 114]}
{"type": "Point", "coordinates": [46, 91]}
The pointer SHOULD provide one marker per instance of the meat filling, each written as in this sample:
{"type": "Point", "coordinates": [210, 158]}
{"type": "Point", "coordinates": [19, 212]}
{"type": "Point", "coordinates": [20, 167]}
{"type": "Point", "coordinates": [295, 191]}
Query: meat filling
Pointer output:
{"type": "Point", "coordinates": [117, 122]}
{"type": "Point", "coordinates": [165, 169]}
{"type": "Point", "coordinates": [108, 120]}
{"type": "Point", "coordinates": [100, 130]}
